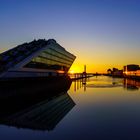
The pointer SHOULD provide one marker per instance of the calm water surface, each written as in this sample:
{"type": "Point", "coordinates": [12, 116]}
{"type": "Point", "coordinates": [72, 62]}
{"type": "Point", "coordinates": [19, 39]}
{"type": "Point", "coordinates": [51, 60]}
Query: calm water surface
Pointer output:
{"type": "Point", "coordinates": [96, 108]}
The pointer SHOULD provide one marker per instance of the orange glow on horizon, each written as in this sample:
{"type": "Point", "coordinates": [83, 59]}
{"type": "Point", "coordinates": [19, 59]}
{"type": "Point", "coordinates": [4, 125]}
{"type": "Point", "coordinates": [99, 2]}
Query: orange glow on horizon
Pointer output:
{"type": "Point", "coordinates": [92, 68]}
{"type": "Point", "coordinates": [99, 56]}
{"type": "Point", "coordinates": [75, 69]}
{"type": "Point", "coordinates": [71, 71]}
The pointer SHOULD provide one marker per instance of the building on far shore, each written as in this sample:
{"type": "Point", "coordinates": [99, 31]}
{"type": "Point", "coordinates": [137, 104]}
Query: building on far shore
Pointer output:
{"type": "Point", "coordinates": [131, 70]}
{"type": "Point", "coordinates": [115, 72]}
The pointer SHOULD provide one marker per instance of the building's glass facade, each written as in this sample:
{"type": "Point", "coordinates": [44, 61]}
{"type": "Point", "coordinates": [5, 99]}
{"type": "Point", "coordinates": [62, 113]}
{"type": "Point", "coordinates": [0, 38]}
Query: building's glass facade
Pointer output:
{"type": "Point", "coordinates": [52, 58]}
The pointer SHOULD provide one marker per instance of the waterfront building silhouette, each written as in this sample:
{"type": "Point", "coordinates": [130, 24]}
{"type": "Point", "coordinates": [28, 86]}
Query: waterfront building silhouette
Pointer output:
{"type": "Point", "coordinates": [39, 58]}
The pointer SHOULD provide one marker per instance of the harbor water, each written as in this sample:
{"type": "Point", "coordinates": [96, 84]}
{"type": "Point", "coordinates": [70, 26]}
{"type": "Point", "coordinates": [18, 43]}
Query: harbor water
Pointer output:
{"type": "Point", "coordinates": [95, 108]}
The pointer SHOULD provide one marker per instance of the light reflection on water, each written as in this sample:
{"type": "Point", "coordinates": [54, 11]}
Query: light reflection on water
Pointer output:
{"type": "Point", "coordinates": [105, 108]}
{"type": "Point", "coordinates": [110, 107]}
{"type": "Point", "coordinates": [105, 82]}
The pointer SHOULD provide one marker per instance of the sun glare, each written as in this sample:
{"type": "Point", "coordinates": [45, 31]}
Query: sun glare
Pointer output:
{"type": "Point", "coordinates": [75, 69]}
{"type": "Point", "coordinates": [71, 71]}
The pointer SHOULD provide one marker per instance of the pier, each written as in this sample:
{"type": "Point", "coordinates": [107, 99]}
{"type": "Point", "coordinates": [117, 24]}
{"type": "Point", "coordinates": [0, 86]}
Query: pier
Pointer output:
{"type": "Point", "coordinates": [77, 76]}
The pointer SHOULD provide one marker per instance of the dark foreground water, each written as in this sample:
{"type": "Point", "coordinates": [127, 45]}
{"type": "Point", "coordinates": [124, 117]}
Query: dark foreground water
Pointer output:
{"type": "Point", "coordinates": [99, 108]}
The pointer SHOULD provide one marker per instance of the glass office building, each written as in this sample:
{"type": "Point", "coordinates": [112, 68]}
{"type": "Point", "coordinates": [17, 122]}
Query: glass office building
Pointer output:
{"type": "Point", "coordinates": [36, 59]}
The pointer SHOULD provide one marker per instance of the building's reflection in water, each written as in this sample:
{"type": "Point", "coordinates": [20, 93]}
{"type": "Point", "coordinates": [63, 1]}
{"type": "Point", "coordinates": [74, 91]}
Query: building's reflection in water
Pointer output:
{"type": "Point", "coordinates": [130, 84]}
{"type": "Point", "coordinates": [36, 110]}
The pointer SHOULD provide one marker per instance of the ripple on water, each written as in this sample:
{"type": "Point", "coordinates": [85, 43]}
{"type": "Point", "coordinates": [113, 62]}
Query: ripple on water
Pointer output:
{"type": "Point", "coordinates": [103, 85]}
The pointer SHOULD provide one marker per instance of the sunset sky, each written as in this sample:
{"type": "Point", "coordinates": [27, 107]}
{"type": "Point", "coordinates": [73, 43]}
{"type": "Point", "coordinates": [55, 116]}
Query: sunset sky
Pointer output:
{"type": "Point", "coordinates": [101, 33]}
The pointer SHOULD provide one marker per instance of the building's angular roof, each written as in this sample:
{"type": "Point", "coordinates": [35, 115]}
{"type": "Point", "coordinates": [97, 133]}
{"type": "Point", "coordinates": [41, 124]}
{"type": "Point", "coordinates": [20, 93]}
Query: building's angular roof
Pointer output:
{"type": "Point", "coordinates": [15, 55]}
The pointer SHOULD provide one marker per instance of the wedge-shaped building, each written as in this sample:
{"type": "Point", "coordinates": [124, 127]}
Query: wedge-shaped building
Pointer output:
{"type": "Point", "coordinates": [41, 58]}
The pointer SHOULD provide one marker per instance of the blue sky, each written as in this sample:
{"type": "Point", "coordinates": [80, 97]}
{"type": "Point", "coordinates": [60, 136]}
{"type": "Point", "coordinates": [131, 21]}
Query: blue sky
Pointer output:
{"type": "Point", "coordinates": [101, 33]}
